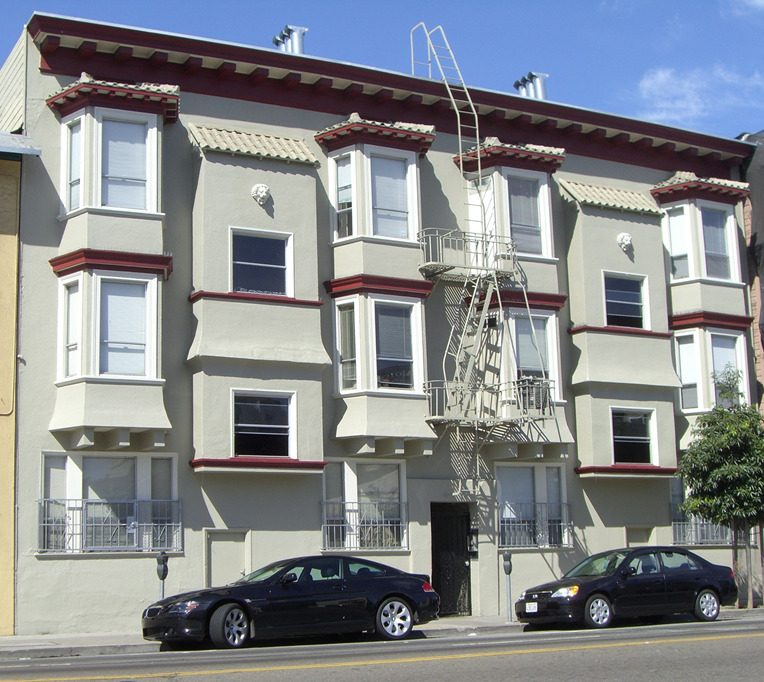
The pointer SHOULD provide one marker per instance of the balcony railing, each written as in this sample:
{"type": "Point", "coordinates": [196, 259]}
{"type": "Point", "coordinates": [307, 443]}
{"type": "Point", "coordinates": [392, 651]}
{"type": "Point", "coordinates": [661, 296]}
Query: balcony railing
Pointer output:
{"type": "Point", "coordinates": [110, 525]}
{"type": "Point", "coordinates": [693, 530]}
{"type": "Point", "coordinates": [364, 525]}
{"type": "Point", "coordinates": [444, 250]}
{"type": "Point", "coordinates": [535, 524]}
{"type": "Point", "coordinates": [526, 398]}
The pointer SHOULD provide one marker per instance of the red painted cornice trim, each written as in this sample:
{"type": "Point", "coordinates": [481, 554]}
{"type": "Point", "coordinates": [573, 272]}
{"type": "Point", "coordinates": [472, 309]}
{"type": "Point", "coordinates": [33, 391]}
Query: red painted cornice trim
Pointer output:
{"type": "Point", "coordinates": [536, 299]}
{"type": "Point", "coordinates": [339, 89]}
{"type": "Point", "coordinates": [242, 296]}
{"type": "Point", "coordinates": [257, 463]}
{"type": "Point", "coordinates": [618, 330]}
{"type": "Point", "coordinates": [699, 190]}
{"type": "Point", "coordinates": [81, 95]}
{"type": "Point", "coordinates": [512, 158]}
{"type": "Point", "coordinates": [375, 284]}
{"type": "Point", "coordinates": [360, 132]}
{"type": "Point", "coordinates": [627, 470]}
{"type": "Point", "coordinates": [90, 259]}
{"type": "Point", "coordinates": [706, 319]}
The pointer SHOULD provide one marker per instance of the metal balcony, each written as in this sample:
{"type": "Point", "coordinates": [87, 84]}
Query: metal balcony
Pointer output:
{"type": "Point", "coordinates": [454, 253]}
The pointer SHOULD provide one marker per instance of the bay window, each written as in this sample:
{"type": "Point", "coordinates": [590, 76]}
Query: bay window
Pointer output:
{"type": "Point", "coordinates": [123, 323]}
{"type": "Point", "coordinates": [529, 211]}
{"type": "Point", "coordinates": [394, 345]}
{"type": "Point", "coordinates": [687, 369]}
{"type": "Point", "coordinates": [679, 242]}
{"type": "Point", "coordinates": [715, 242]}
{"type": "Point", "coordinates": [346, 333]}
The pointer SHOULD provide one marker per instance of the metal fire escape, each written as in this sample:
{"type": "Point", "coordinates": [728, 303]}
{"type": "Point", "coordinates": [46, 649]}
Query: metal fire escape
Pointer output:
{"type": "Point", "coordinates": [475, 397]}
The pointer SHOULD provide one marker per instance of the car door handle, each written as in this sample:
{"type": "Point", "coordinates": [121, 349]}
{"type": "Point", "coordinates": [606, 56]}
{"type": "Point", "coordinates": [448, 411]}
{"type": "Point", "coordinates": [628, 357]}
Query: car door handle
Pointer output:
{"type": "Point", "coordinates": [339, 588]}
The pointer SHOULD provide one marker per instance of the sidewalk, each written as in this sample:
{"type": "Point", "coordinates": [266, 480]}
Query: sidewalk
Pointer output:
{"type": "Point", "coordinates": [20, 647]}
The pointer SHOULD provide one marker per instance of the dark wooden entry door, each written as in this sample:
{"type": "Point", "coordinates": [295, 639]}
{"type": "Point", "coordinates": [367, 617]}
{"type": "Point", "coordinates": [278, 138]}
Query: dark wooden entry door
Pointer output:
{"type": "Point", "coordinates": [450, 524]}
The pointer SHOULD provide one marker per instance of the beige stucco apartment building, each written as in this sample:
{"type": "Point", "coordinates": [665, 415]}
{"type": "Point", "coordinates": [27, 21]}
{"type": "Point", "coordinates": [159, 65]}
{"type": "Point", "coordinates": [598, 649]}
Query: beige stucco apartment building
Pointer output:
{"type": "Point", "coordinates": [275, 305]}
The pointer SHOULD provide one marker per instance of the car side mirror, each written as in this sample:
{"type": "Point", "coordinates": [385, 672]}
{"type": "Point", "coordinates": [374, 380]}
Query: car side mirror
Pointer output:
{"type": "Point", "coordinates": [289, 578]}
{"type": "Point", "coordinates": [631, 570]}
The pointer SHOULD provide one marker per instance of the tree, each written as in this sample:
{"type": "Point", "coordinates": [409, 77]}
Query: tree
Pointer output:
{"type": "Point", "coordinates": [723, 467]}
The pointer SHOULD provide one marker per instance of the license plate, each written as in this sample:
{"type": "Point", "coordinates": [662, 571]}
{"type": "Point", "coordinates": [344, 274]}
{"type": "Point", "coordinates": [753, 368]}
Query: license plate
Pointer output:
{"type": "Point", "coordinates": [531, 607]}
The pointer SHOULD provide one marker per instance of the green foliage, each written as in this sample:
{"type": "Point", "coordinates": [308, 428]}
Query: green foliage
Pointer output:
{"type": "Point", "coordinates": [724, 464]}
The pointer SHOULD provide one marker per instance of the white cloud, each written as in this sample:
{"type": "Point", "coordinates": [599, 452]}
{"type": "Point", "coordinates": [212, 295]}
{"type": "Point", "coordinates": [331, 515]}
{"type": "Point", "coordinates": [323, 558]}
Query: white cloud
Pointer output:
{"type": "Point", "coordinates": [687, 98]}
{"type": "Point", "coordinates": [739, 7]}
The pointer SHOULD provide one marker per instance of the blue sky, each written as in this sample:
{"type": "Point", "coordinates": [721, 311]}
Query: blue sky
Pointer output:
{"type": "Point", "coordinates": [695, 64]}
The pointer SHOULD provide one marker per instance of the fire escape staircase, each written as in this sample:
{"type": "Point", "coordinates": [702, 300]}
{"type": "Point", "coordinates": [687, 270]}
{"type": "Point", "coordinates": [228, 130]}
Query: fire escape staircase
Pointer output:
{"type": "Point", "coordinates": [472, 396]}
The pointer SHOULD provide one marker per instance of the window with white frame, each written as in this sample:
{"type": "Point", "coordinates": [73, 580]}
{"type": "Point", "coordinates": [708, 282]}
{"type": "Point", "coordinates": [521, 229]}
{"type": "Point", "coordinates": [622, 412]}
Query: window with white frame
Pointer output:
{"type": "Point", "coordinates": [680, 241]}
{"type": "Point", "coordinates": [70, 359]}
{"type": "Point", "coordinates": [123, 327]}
{"type": "Point", "coordinates": [687, 364]}
{"type": "Point", "coordinates": [111, 160]}
{"type": "Point", "coordinates": [261, 262]}
{"type": "Point", "coordinates": [395, 342]}
{"type": "Point", "coordinates": [624, 301]}
{"type": "Point", "coordinates": [109, 503]}
{"type": "Point", "coordinates": [387, 180]}
{"type": "Point", "coordinates": [529, 211]}
{"type": "Point", "coordinates": [632, 436]}
{"type": "Point", "coordinates": [347, 345]}
{"type": "Point", "coordinates": [532, 507]}
{"type": "Point", "coordinates": [726, 352]}
{"type": "Point", "coordinates": [716, 241]}
{"type": "Point", "coordinates": [363, 506]}
{"type": "Point", "coordinates": [263, 424]}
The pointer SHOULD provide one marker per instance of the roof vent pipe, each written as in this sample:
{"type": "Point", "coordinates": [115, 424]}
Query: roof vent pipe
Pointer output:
{"type": "Point", "coordinates": [291, 39]}
{"type": "Point", "coordinates": [532, 85]}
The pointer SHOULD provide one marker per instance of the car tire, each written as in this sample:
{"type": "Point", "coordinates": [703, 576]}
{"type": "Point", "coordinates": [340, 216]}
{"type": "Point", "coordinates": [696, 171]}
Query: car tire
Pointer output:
{"type": "Point", "coordinates": [394, 619]}
{"type": "Point", "coordinates": [598, 612]}
{"type": "Point", "coordinates": [229, 627]}
{"type": "Point", "coordinates": [706, 605]}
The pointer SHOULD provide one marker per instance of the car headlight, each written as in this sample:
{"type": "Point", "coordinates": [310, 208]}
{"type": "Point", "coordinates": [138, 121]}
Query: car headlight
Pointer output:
{"type": "Point", "coordinates": [566, 592]}
{"type": "Point", "coordinates": [183, 608]}
{"type": "Point", "coordinates": [522, 596]}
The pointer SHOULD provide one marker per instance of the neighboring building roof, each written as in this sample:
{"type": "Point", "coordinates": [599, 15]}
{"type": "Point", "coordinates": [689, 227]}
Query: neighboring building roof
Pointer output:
{"type": "Point", "coordinates": [610, 197]}
{"type": "Point", "coordinates": [87, 90]}
{"type": "Point", "coordinates": [17, 144]}
{"type": "Point", "coordinates": [357, 129]}
{"type": "Point", "coordinates": [684, 185]}
{"type": "Point", "coordinates": [247, 143]}
{"type": "Point", "coordinates": [495, 152]}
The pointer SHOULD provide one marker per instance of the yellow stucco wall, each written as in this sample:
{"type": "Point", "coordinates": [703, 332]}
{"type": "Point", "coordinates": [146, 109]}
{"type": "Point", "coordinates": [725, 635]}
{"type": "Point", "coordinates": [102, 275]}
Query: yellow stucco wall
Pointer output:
{"type": "Point", "coordinates": [9, 206]}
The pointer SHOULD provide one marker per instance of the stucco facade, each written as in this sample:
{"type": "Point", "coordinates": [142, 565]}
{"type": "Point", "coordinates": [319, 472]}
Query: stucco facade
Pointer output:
{"type": "Point", "coordinates": [242, 375]}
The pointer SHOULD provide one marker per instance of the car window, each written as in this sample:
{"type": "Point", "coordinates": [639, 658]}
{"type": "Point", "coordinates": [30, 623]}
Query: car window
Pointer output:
{"type": "Point", "coordinates": [598, 565]}
{"type": "Point", "coordinates": [678, 561]}
{"type": "Point", "coordinates": [644, 564]}
{"type": "Point", "coordinates": [323, 568]}
{"type": "Point", "coordinates": [262, 574]}
{"type": "Point", "coordinates": [362, 569]}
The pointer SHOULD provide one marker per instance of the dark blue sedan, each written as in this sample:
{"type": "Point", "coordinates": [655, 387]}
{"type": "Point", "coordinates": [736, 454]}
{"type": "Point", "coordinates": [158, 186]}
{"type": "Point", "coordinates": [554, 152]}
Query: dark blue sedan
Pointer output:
{"type": "Point", "coordinates": [304, 596]}
{"type": "Point", "coordinates": [644, 582]}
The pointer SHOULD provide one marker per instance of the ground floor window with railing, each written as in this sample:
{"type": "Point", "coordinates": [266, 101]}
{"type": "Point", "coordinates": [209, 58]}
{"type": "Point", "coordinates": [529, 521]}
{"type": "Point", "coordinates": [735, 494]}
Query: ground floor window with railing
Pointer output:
{"type": "Point", "coordinates": [73, 525]}
{"type": "Point", "coordinates": [694, 530]}
{"type": "Point", "coordinates": [535, 524]}
{"type": "Point", "coordinates": [364, 525]}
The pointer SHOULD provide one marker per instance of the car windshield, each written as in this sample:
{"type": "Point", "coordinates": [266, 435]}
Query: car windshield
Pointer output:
{"type": "Point", "coordinates": [597, 565]}
{"type": "Point", "coordinates": [262, 574]}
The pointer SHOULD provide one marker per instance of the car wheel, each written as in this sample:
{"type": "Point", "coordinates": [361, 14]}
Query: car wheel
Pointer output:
{"type": "Point", "coordinates": [598, 612]}
{"type": "Point", "coordinates": [706, 605]}
{"type": "Point", "coordinates": [229, 627]}
{"type": "Point", "coordinates": [394, 619]}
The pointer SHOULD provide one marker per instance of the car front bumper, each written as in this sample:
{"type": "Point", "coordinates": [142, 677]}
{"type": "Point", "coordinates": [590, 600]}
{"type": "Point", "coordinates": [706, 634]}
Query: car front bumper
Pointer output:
{"type": "Point", "coordinates": [549, 611]}
{"type": "Point", "coordinates": [165, 628]}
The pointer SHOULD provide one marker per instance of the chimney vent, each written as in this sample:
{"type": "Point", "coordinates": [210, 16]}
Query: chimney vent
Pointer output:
{"type": "Point", "coordinates": [532, 85]}
{"type": "Point", "coordinates": [291, 39]}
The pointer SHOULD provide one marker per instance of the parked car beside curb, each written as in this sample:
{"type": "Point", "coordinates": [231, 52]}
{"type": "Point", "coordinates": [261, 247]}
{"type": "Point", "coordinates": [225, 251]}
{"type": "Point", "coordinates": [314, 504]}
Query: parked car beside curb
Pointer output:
{"type": "Point", "coordinates": [645, 582]}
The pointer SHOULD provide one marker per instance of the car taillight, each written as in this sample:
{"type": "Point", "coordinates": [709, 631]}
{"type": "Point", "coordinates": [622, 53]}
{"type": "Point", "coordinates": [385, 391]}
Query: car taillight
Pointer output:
{"type": "Point", "coordinates": [427, 587]}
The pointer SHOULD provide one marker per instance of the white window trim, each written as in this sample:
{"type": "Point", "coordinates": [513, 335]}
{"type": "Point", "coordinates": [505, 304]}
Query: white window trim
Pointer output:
{"type": "Point", "coordinates": [152, 340]}
{"type": "Point", "coordinates": [286, 237]}
{"type": "Point", "coordinates": [66, 126]}
{"type": "Point", "coordinates": [651, 432]}
{"type": "Point", "coordinates": [701, 389]}
{"type": "Point", "coordinates": [417, 343]}
{"type": "Point", "coordinates": [544, 209]}
{"type": "Point", "coordinates": [730, 236]}
{"type": "Point", "coordinates": [540, 492]}
{"type": "Point", "coordinates": [509, 368]}
{"type": "Point", "coordinates": [63, 315]}
{"type": "Point", "coordinates": [351, 153]}
{"type": "Point", "coordinates": [644, 291]}
{"type": "Point", "coordinates": [291, 413]}
{"type": "Point", "coordinates": [350, 477]}
{"type": "Point", "coordinates": [412, 191]}
{"type": "Point", "coordinates": [353, 301]}
{"type": "Point", "coordinates": [152, 157]}
{"type": "Point", "coordinates": [740, 358]}
{"type": "Point", "coordinates": [691, 247]}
